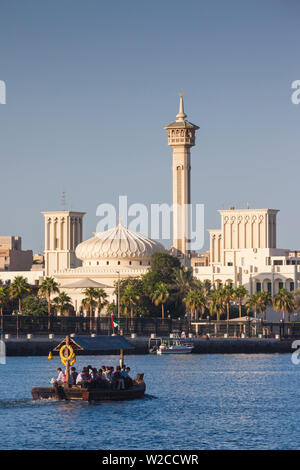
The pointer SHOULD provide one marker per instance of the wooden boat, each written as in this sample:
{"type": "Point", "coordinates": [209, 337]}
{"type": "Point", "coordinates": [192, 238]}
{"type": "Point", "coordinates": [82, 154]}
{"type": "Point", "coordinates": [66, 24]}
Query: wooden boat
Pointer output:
{"type": "Point", "coordinates": [75, 392]}
{"type": "Point", "coordinates": [89, 345]}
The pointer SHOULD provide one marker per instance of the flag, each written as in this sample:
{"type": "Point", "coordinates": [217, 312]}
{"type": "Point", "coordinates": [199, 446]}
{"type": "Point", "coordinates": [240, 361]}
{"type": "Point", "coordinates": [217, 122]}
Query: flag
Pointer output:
{"type": "Point", "coordinates": [114, 322]}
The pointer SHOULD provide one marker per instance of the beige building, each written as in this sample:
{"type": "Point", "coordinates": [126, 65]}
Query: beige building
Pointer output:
{"type": "Point", "coordinates": [181, 137]}
{"type": "Point", "coordinates": [12, 257]}
{"type": "Point", "coordinates": [244, 252]}
{"type": "Point", "coordinates": [63, 232]}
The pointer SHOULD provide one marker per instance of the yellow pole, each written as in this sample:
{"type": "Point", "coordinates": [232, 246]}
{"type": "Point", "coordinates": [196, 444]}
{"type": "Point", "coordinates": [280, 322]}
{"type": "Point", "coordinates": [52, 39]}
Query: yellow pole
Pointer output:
{"type": "Point", "coordinates": [68, 364]}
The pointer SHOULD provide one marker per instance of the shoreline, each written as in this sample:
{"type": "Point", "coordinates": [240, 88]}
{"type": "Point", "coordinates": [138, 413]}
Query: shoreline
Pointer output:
{"type": "Point", "coordinates": [41, 346]}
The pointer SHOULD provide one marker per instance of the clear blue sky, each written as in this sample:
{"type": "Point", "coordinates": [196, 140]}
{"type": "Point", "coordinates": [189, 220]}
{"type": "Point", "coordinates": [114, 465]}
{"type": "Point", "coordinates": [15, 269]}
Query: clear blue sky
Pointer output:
{"type": "Point", "coordinates": [90, 85]}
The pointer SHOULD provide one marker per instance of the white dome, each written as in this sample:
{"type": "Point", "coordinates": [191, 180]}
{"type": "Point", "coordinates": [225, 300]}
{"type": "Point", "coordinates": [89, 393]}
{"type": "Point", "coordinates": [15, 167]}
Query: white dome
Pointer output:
{"type": "Point", "coordinates": [118, 242]}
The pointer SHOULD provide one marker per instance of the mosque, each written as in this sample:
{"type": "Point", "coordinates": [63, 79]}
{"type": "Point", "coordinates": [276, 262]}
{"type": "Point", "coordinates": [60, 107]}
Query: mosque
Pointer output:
{"type": "Point", "coordinates": [118, 253]}
{"type": "Point", "coordinates": [242, 252]}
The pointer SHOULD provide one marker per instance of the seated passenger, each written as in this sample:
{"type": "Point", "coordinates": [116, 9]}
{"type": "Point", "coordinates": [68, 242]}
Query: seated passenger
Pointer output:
{"type": "Point", "coordinates": [82, 378]}
{"type": "Point", "coordinates": [61, 376]}
{"type": "Point", "coordinates": [100, 379]}
{"type": "Point", "coordinates": [73, 376]}
{"type": "Point", "coordinates": [124, 373]}
{"type": "Point", "coordinates": [128, 380]}
{"type": "Point", "coordinates": [117, 379]}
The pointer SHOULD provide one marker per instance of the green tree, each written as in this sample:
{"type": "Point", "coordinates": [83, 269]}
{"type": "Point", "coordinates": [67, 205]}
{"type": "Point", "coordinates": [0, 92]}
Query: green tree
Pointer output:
{"type": "Point", "coordinates": [284, 302]}
{"type": "Point", "coordinates": [194, 301]}
{"type": "Point", "coordinates": [48, 286]}
{"type": "Point", "coordinates": [130, 299]}
{"type": "Point", "coordinates": [3, 300]}
{"type": "Point", "coordinates": [33, 305]}
{"type": "Point", "coordinates": [63, 303]}
{"type": "Point", "coordinates": [101, 299]}
{"type": "Point", "coordinates": [240, 293]}
{"type": "Point", "coordinates": [183, 281]}
{"type": "Point", "coordinates": [164, 264]}
{"type": "Point", "coordinates": [227, 295]}
{"type": "Point", "coordinates": [253, 303]}
{"type": "Point", "coordinates": [264, 299]}
{"type": "Point", "coordinates": [160, 296]}
{"type": "Point", "coordinates": [19, 289]}
{"type": "Point", "coordinates": [89, 301]}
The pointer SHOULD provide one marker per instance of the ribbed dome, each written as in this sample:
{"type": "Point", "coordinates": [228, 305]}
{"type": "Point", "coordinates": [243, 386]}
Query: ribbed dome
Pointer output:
{"type": "Point", "coordinates": [118, 242]}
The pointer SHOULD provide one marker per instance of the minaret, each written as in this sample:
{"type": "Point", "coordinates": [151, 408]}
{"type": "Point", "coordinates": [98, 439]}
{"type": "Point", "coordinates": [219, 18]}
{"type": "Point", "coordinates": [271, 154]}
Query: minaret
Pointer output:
{"type": "Point", "coordinates": [181, 137]}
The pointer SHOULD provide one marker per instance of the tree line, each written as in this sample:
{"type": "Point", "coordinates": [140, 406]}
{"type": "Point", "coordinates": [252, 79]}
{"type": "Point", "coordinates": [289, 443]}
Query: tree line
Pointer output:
{"type": "Point", "coordinates": [167, 289]}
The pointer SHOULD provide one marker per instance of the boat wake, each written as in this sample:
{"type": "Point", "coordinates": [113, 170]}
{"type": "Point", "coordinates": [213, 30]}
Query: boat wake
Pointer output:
{"type": "Point", "coordinates": [8, 404]}
{"type": "Point", "coordinates": [150, 397]}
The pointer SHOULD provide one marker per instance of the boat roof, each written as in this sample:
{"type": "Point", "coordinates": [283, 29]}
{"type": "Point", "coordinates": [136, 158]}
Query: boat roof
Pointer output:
{"type": "Point", "coordinates": [96, 343]}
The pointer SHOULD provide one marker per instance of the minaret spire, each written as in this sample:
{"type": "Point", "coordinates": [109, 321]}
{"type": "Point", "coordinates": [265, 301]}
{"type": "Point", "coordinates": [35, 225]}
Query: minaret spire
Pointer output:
{"type": "Point", "coordinates": [181, 115]}
{"type": "Point", "coordinates": [181, 137]}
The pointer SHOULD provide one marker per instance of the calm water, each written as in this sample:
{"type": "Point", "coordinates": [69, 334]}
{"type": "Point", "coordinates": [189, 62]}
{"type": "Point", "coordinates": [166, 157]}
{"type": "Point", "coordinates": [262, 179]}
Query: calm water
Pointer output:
{"type": "Point", "coordinates": [192, 402]}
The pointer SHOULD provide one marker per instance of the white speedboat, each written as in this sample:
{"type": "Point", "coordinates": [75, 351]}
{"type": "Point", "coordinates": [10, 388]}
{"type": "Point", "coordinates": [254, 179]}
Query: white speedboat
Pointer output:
{"type": "Point", "coordinates": [176, 347]}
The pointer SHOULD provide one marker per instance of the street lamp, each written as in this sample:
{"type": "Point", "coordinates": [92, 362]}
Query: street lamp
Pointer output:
{"type": "Point", "coordinates": [118, 272]}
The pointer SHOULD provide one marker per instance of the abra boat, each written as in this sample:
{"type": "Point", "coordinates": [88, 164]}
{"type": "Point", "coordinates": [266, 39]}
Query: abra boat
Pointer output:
{"type": "Point", "coordinates": [90, 393]}
{"type": "Point", "coordinates": [75, 392]}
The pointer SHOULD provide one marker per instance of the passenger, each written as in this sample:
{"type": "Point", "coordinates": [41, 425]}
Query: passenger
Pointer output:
{"type": "Point", "coordinates": [100, 379]}
{"type": "Point", "coordinates": [82, 378]}
{"type": "Point", "coordinates": [128, 380]}
{"type": "Point", "coordinates": [73, 376]}
{"type": "Point", "coordinates": [61, 376]}
{"type": "Point", "coordinates": [124, 373]}
{"type": "Point", "coordinates": [108, 373]}
{"type": "Point", "coordinates": [117, 379]}
{"type": "Point", "coordinates": [92, 373]}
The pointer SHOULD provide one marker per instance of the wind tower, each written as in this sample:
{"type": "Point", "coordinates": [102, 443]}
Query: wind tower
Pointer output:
{"type": "Point", "coordinates": [63, 232]}
{"type": "Point", "coordinates": [181, 137]}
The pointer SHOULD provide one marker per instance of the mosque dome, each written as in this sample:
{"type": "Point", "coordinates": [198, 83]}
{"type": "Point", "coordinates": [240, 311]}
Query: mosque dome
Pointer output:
{"type": "Point", "coordinates": [118, 242]}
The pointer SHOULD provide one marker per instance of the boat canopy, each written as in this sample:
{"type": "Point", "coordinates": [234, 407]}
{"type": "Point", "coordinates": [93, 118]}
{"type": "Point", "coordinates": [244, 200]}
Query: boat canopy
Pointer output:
{"type": "Point", "coordinates": [96, 343]}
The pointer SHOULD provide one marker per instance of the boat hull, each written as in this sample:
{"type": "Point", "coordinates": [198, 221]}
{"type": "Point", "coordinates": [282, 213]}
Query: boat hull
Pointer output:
{"type": "Point", "coordinates": [174, 351]}
{"type": "Point", "coordinates": [83, 394]}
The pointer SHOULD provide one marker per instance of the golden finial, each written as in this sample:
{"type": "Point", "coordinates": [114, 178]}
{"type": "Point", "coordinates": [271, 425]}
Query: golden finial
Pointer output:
{"type": "Point", "coordinates": [181, 93]}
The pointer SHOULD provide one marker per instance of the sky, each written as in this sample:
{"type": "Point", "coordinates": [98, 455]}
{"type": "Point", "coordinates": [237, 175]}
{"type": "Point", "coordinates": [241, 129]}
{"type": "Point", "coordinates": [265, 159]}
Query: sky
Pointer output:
{"type": "Point", "coordinates": [90, 86]}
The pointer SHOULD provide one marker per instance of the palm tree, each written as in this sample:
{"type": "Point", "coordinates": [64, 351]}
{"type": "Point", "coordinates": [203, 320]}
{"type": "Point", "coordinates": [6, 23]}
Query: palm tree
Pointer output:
{"type": "Point", "coordinates": [89, 303]}
{"type": "Point", "coordinates": [216, 304]}
{"type": "Point", "coordinates": [3, 299]}
{"type": "Point", "coordinates": [240, 293]}
{"type": "Point", "coordinates": [253, 302]}
{"type": "Point", "coordinates": [130, 298]}
{"type": "Point", "coordinates": [264, 299]}
{"type": "Point", "coordinates": [19, 288]}
{"type": "Point", "coordinates": [183, 281]}
{"type": "Point", "coordinates": [160, 296]}
{"type": "Point", "coordinates": [63, 303]}
{"type": "Point", "coordinates": [194, 301]}
{"type": "Point", "coordinates": [227, 295]}
{"type": "Point", "coordinates": [101, 299]}
{"type": "Point", "coordinates": [48, 286]}
{"type": "Point", "coordinates": [284, 302]}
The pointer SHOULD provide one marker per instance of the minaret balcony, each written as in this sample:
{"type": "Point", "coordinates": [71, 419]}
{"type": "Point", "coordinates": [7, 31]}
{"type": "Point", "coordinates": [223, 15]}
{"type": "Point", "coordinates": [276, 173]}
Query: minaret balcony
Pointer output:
{"type": "Point", "coordinates": [181, 141]}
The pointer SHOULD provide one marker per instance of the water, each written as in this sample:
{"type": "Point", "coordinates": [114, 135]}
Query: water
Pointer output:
{"type": "Point", "coordinates": [192, 402]}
